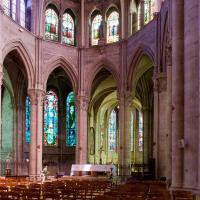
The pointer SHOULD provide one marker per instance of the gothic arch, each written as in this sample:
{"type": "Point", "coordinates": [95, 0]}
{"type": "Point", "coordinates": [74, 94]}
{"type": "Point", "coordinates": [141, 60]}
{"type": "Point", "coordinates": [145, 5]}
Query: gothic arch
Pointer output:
{"type": "Point", "coordinates": [24, 55]}
{"type": "Point", "coordinates": [104, 63]}
{"type": "Point", "coordinates": [66, 66]}
{"type": "Point", "coordinates": [133, 69]}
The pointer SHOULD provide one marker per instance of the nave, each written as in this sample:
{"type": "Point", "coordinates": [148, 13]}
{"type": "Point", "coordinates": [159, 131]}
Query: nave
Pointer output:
{"type": "Point", "coordinates": [86, 188]}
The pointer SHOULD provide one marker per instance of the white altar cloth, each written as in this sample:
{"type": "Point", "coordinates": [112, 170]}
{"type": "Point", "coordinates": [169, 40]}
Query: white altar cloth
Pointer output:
{"type": "Point", "coordinates": [91, 168]}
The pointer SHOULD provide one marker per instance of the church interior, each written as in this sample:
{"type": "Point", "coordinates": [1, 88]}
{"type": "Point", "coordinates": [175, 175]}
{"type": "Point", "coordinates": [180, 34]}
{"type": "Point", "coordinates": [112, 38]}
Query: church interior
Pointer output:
{"type": "Point", "coordinates": [100, 99]}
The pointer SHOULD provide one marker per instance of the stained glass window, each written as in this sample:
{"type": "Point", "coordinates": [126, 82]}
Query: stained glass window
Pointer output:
{"type": "Point", "coordinates": [51, 24]}
{"type": "Point", "coordinates": [113, 27]}
{"type": "Point", "coordinates": [147, 11]}
{"type": "Point", "coordinates": [140, 131]}
{"type": "Point", "coordinates": [112, 131]}
{"type": "Point", "coordinates": [70, 120]}
{"type": "Point", "coordinates": [68, 29]}
{"type": "Point", "coordinates": [51, 119]}
{"type": "Point", "coordinates": [22, 13]}
{"type": "Point", "coordinates": [6, 7]}
{"type": "Point", "coordinates": [96, 25]}
{"type": "Point", "coordinates": [132, 131]}
{"type": "Point", "coordinates": [139, 16]}
{"type": "Point", "coordinates": [14, 7]}
{"type": "Point", "coordinates": [27, 120]}
{"type": "Point", "coordinates": [28, 14]}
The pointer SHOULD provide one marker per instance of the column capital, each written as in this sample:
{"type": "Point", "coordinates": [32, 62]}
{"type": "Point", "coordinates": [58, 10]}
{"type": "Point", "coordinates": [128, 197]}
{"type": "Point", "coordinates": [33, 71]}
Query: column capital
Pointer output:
{"type": "Point", "coordinates": [160, 82]}
{"type": "Point", "coordinates": [36, 96]}
{"type": "Point", "coordinates": [82, 102]}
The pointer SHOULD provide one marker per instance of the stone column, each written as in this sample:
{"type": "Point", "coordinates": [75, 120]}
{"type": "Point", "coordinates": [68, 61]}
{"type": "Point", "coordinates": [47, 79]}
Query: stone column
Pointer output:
{"type": "Point", "coordinates": [141, 13]}
{"type": "Point", "coordinates": [82, 23]}
{"type": "Point", "coordinates": [157, 6]}
{"type": "Point", "coordinates": [127, 134]}
{"type": "Point", "coordinates": [36, 129]}
{"type": "Point", "coordinates": [1, 83]}
{"type": "Point", "coordinates": [146, 111]}
{"type": "Point", "coordinates": [124, 19]}
{"type": "Point", "coordinates": [191, 86]}
{"type": "Point", "coordinates": [82, 125]}
{"type": "Point", "coordinates": [177, 91]}
{"type": "Point", "coordinates": [156, 126]}
{"type": "Point", "coordinates": [121, 158]}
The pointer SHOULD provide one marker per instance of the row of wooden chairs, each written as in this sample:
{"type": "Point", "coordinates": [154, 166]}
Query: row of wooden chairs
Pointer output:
{"type": "Point", "coordinates": [65, 189]}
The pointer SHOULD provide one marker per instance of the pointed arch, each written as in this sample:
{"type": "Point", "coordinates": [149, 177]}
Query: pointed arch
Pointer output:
{"type": "Point", "coordinates": [20, 48]}
{"type": "Point", "coordinates": [66, 66]}
{"type": "Point", "coordinates": [106, 64]}
{"type": "Point", "coordinates": [134, 69]}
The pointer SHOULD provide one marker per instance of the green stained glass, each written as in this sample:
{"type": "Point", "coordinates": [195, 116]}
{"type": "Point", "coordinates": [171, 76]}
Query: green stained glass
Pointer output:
{"type": "Point", "coordinates": [51, 119]}
{"type": "Point", "coordinates": [113, 27]}
{"type": "Point", "coordinates": [70, 120]}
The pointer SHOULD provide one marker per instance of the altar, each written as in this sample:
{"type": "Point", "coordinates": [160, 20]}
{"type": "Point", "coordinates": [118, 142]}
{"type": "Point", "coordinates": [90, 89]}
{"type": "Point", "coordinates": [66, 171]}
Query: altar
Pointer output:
{"type": "Point", "coordinates": [85, 169]}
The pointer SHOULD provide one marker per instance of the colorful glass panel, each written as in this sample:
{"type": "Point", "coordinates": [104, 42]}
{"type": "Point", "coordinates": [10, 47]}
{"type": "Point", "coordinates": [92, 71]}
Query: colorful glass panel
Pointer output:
{"type": "Point", "coordinates": [96, 24]}
{"type": "Point", "coordinates": [6, 7]}
{"type": "Point", "coordinates": [70, 120]}
{"type": "Point", "coordinates": [140, 131]}
{"type": "Point", "coordinates": [27, 121]}
{"type": "Point", "coordinates": [139, 16]}
{"type": "Point", "coordinates": [22, 13]}
{"type": "Point", "coordinates": [132, 131]}
{"type": "Point", "coordinates": [68, 29]}
{"type": "Point", "coordinates": [14, 7]}
{"type": "Point", "coordinates": [113, 27]}
{"type": "Point", "coordinates": [51, 119]}
{"type": "Point", "coordinates": [112, 131]}
{"type": "Point", "coordinates": [51, 25]}
{"type": "Point", "coordinates": [146, 11]}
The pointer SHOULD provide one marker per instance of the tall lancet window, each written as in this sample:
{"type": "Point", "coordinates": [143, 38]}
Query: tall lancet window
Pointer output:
{"type": "Point", "coordinates": [51, 24]}
{"type": "Point", "coordinates": [14, 9]}
{"type": "Point", "coordinates": [96, 26]}
{"type": "Point", "coordinates": [68, 36]}
{"type": "Point", "coordinates": [6, 7]}
{"type": "Point", "coordinates": [139, 16]}
{"type": "Point", "coordinates": [70, 120]}
{"type": "Point", "coordinates": [112, 131]}
{"type": "Point", "coordinates": [132, 131]}
{"type": "Point", "coordinates": [113, 27]}
{"type": "Point", "coordinates": [27, 121]}
{"type": "Point", "coordinates": [152, 11]}
{"type": "Point", "coordinates": [51, 119]}
{"type": "Point", "coordinates": [140, 131]}
{"type": "Point", "coordinates": [22, 13]}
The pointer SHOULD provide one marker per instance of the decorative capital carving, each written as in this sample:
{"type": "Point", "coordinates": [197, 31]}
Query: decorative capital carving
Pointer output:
{"type": "Point", "coordinates": [160, 82]}
{"type": "Point", "coordinates": [82, 102]}
{"type": "Point", "coordinates": [36, 96]}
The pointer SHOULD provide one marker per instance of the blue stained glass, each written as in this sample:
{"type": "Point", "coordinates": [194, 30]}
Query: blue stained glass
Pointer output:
{"type": "Point", "coordinates": [22, 13]}
{"type": "Point", "coordinates": [27, 121]}
{"type": "Point", "coordinates": [113, 27]}
{"type": "Point", "coordinates": [51, 119]}
{"type": "Point", "coordinates": [70, 120]}
{"type": "Point", "coordinates": [112, 131]}
{"type": "Point", "coordinates": [68, 29]}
